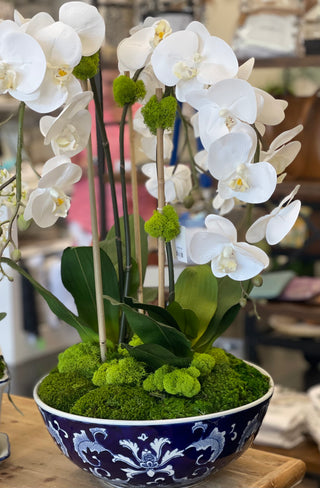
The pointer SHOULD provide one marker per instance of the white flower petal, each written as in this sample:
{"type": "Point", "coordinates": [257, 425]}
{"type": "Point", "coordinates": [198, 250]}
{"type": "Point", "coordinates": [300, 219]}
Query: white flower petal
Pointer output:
{"type": "Point", "coordinates": [41, 207]}
{"type": "Point", "coordinates": [279, 226]}
{"type": "Point", "coordinates": [133, 52]}
{"type": "Point", "coordinates": [64, 175]}
{"type": "Point", "coordinates": [245, 69]}
{"type": "Point", "coordinates": [250, 261]}
{"type": "Point", "coordinates": [87, 22]}
{"type": "Point", "coordinates": [204, 246]}
{"type": "Point", "coordinates": [285, 137]}
{"type": "Point", "coordinates": [220, 225]}
{"type": "Point", "coordinates": [257, 231]}
{"type": "Point", "coordinates": [61, 44]}
{"type": "Point", "coordinates": [270, 109]}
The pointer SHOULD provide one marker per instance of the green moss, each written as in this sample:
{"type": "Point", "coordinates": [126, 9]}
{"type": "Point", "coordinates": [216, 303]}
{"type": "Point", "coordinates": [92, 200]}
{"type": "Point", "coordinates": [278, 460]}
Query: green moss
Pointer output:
{"type": "Point", "coordinates": [82, 358]}
{"type": "Point", "coordinates": [159, 114]}
{"type": "Point", "coordinates": [127, 91]}
{"type": "Point", "coordinates": [116, 402]}
{"type": "Point", "coordinates": [126, 370]}
{"type": "Point", "coordinates": [163, 224]}
{"type": "Point", "coordinates": [61, 391]}
{"type": "Point", "coordinates": [88, 67]}
{"type": "Point", "coordinates": [203, 362]}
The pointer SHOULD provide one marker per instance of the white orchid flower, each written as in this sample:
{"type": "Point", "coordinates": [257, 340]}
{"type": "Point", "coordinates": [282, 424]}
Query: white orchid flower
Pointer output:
{"type": "Point", "coordinates": [276, 225]}
{"type": "Point", "coordinates": [63, 51]}
{"type": "Point", "coordinates": [149, 141]}
{"type": "Point", "coordinates": [201, 160]}
{"type": "Point", "coordinates": [150, 81]}
{"type": "Point", "coordinates": [69, 132]}
{"type": "Point", "coordinates": [49, 201]}
{"type": "Point", "coordinates": [282, 152]}
{"type": "Point", "coordinates": [229, 161]}
{"type": "Point", "coordinates": [22, 62]}
{"type": "Point", "coordinates": [134, 52]}
{"type": "Point", "coordinates": [192, 58]}
{"type": "Point", "coordinates": [87, 22]}
{"type": "Point", "coordinates": [177, 179]}
{"type": "Point", "coordinates": [227, 106]}
{"type": "Point", "coordinates": [218, 244]}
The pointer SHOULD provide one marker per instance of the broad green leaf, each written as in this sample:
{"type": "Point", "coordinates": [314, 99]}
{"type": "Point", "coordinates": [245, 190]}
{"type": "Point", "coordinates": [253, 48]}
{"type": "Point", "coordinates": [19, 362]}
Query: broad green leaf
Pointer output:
{"type": "Point", "coordinates": [156, 356]}
{"type": "Point", "coordinates": [154, 311]}
{"type": "Point", "coordinates": [77, 272]}
{"type": "Point", "coordinates": [229, 294]}
{"type": "Point", "coordinates": [152, 332]}
{"type": "Point", "coordinates": [197, 290]}
{"type": "Point", "coordinates": [57, 307]}
{"type": "Point", "coordinates": [2, 315]}
{"type": "Point", "coordinates": [186, 319]}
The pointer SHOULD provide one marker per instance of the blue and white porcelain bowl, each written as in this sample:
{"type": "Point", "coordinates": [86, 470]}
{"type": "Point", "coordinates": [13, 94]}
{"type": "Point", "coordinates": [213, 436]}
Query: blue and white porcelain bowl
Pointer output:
{"type": "Point", "coordinates": [162, 453]}
{"type": "Point", "coordinates": [4, 439]}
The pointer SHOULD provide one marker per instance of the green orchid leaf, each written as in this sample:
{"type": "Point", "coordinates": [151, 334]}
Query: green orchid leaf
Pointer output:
{"type": "Point", "coordinates": [57, 307]}
{"type": "Point", "coordinates": [151, 331]}
{"type": "Point", "coordinates": [150, 294]}
{"type": "Point", "coordinates": [109, 244]}
{"type": "Point", "coordinates": [77, 272]}
{"type": "Point", "coordinates": [187, 320]}
{"type": "Point", "coordinates": [229, 294]}
{"type": "Point", "coordinates": [197, 290]}
{"type": "Point", "coordinates": [156, 356]}
{"type": "Point", "coordinates": [2, 315]}
{"type": "Point", "coordinates": [157, 313]}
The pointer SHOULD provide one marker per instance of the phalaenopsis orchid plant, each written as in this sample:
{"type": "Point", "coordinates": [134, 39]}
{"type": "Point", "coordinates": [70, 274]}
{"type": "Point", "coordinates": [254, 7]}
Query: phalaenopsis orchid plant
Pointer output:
{"type": "Point", "coordinates": [51, 65]}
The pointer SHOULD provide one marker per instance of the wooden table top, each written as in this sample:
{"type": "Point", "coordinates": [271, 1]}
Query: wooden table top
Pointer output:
{"type": "Point", "coordinates": [36, 462]}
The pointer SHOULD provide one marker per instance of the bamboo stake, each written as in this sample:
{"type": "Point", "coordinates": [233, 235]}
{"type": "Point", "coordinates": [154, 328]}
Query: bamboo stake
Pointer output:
{"type": "Point", "coordinates": [96, 254]}
{"type": "Point", "coordinates": [161, 203]}
{"type": "Point", "coordinates": [135, 201]}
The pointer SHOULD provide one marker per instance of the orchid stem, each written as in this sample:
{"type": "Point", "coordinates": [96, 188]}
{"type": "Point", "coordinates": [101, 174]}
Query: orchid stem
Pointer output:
{"type": "Point", "coordinates": [171, 272]}
{"type": "Point", "coordinates": [125, 218]}
{"type": "Point", "coordinates": [161, 203]}
{"type": "Point", "coordinates": [106, 148]}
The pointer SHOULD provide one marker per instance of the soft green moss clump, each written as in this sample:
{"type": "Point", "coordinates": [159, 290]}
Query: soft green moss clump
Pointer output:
{"type": "Point", "coordinates": [163, 224]}
{"type": "Point", "coordinates": [82, 358]}
{"type": "Point", "coordinates": [159, 114]}
{"type": "Point", "coordinates": [127, 91]}
{"type": "Point", "coordinates": [88, 67]}
{"type": "Point", "coordinates": [61, 391]}
{"type": "Point", "coordinates": [119, 372]}
{"type": "Point", "coordinates": [2, 366]}
{"type": "Point", "coordinates": [115, 402]}
{"type": "Point", "coordinates": [123, 389]}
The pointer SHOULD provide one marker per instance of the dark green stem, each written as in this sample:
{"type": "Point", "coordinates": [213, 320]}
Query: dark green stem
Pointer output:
{"type": "Point", "coordinates": [125, 217]}
{"type": "Point", "coordinates": [106, 148]}
{"type": "Point", "coordinates": [190, 151]}
{"type": "Point", "coordinates": [19, 152]}
{"type": "Point", "coordinates": [171, 272]}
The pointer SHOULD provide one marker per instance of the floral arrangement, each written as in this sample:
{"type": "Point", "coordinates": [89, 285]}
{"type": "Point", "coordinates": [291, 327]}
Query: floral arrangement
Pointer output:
{"type": "Point", "coordinates": [51, 65]}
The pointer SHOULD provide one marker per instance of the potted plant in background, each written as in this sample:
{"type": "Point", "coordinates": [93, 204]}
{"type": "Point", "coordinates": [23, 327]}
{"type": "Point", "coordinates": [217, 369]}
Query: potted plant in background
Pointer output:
{"type": "Point", "coordinates": [146, 397]}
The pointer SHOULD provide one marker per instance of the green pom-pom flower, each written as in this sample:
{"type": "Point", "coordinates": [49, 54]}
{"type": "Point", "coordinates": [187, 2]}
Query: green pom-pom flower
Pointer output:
{"type": "Point", "coordinates": [159, 114]}
{"type": "Point", "coordinates": [127, 91]}
{"type": "Point", "coordinates": [88, 67]}
{"type": "Point", "coordinates": [163, 224]}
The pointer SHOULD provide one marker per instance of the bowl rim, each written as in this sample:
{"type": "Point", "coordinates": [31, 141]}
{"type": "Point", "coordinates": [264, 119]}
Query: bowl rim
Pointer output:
{"type": "Point", "coordinates": [180, 420]}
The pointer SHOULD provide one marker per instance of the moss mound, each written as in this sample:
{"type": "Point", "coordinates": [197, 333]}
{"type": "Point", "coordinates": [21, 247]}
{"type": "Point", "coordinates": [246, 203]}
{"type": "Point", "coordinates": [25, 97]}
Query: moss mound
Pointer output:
{"type": "Point", "coordinates": [62, 390]}
{"type": "Point", "coordinates": [228, 383]}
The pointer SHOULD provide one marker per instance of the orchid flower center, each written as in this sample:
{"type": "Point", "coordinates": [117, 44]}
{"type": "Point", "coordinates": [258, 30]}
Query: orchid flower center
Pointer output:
{"type": "Point", "coordinates": [61, 74]}
{"type": "Point", "coordinates": [7, 77]}
{"type": "Point", "coordinates": [230, 121]}
{"type": "Point", "coordinates": [162, 30]}
{"type": "Point", "coordinates": [239, 181]}
{"type": "Point", "coordinates": [61, 201]}
{"type": "Point", "coordinates": [68, 139]}
{"type": "Point", "coordinates": [227, 262]}
{"type": "Point", "coordinates": [187, 69]}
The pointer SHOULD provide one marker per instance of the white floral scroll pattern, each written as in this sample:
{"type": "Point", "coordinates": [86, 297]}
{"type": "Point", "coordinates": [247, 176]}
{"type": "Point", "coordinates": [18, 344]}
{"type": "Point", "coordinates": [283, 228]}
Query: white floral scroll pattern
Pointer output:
{"type": "Point", "coordinates": [58, 434]}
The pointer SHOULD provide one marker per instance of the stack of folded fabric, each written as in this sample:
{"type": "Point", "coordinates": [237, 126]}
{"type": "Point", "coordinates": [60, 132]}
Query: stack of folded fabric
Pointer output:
{"type": "Point", "coordinates": [312, 414]}
{"type": "Point", "coordinates": [264, 35]}
{"type": "Point", "coordinates": [285, 422]}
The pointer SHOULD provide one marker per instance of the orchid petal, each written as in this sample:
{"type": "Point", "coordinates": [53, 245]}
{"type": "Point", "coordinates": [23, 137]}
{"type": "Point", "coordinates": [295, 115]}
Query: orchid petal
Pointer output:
{"type": "Point", "coordinates": [285, 137]}
{"type": "Point", "coordinates": [257, 231]}
{"type": "Point", "coordinates": [220, 225]}
{"type": "Point", "coordinates": [251, 260]}
{"type": "Point", "coordinates": [270, 109]}
{"type": "Point", "coordinates": [87, 22]}
{"type": "Point", "coordinates": [204, 246]}
{"type": "Point", "coordinates": [279, 226]}
{"type": "Point", "coordinates": [133, 52]}
{"type": "Point", "coordinates": [245, 69]}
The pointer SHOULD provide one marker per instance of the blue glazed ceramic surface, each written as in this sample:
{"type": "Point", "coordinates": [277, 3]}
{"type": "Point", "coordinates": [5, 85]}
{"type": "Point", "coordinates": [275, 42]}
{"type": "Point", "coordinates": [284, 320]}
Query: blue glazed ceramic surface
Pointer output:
{"type": "Point", "coordinates": [162, 453]}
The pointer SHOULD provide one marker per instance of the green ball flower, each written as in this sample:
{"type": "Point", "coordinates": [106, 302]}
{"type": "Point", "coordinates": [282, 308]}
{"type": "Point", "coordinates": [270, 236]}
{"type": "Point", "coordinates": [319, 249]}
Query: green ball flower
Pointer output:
{"type": "Point", "coordinates": [163, 224]}
{"type": "Point", "coordinates": [127, 91]}
{"type": "Point", "coordinates": [159, 114]}
{"type": "Point", "coordinates": [88, 67]}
